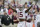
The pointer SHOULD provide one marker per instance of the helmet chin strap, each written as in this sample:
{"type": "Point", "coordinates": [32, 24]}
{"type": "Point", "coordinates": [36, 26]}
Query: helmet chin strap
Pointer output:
{"type": "Point", "coordinates": [21, 9]}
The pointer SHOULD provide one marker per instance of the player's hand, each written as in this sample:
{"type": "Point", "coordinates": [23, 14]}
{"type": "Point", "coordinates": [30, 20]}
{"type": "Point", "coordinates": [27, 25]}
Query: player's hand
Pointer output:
{"type": "Point", "coordinates": [15, 21]}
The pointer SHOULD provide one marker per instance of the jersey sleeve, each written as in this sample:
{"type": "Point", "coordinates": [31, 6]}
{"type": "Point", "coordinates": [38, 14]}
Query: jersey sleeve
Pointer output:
{"type": "Point", "coordinates": [16, 9]}
{"type": "Point", "coordinates": [25, 9]}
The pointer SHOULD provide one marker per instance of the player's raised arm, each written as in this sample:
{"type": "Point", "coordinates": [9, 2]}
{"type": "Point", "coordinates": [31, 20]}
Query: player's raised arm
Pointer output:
{"type": "Point", "coordinates": [14, 10]}
{"type": "Point", "coordinates": [28, 9]}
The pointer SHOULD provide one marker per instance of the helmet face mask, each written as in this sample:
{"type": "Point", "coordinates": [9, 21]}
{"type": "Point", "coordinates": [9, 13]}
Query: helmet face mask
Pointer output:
{"type": "Point", "coordinates": [21, 7]}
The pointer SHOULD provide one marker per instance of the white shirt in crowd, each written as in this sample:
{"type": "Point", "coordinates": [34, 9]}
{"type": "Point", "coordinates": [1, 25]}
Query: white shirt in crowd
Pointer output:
{"type": "Point", "coordinates": [1, 12]}
{"type": "Point", "coordinates": [6, 10]}
{"type": "Point", "coordinates": [38, 17]}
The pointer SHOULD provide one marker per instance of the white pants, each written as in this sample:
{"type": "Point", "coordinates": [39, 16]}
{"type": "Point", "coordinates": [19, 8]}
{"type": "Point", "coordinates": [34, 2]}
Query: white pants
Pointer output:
{"type": "Point", "coordinates": [36, 21]}
{"type": "Point", "coordinates": [29, 24]}
{"type": "Point", "coordinates": [21, 24]}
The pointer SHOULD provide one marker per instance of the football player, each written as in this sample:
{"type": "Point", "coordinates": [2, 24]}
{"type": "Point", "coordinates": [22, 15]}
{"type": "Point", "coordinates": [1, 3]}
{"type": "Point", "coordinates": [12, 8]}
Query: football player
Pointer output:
{"type": "Point", "coordinates": [21, 15]}
{"type": "Point", "coordinates": [37, 21]}
{"type": "Point", "coordinates": [29, 20]}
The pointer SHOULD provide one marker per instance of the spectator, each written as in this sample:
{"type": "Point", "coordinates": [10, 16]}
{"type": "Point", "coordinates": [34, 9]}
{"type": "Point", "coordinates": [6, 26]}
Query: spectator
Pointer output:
{"type": "Point", "coordinates": [36, 6]}
{"type": "Point", "coordinates": [1, 12]}
{"type": "Point", "coordinates": [6, 8]}
{"type": "Point", "coordinates": [29, 4]}
{"type": "Point", "coordinates": [14, 19]}
{"type": "Point", "coordinates": [12, 4]}
{"type": "Point", "coordinates": [5, 20]}
{"type": "Point", "coordinates": [6, 2]}
{"type": "Point", "coordinates": [26, 5]}
{"type": "Point", "coordinates": [16, 3]}
{"type": "Point", "coordinates": [1, 8]}
{"type": "Point", "coordinates": [9, 1]}
{"type": "Point", "coordinates": [10, 11]}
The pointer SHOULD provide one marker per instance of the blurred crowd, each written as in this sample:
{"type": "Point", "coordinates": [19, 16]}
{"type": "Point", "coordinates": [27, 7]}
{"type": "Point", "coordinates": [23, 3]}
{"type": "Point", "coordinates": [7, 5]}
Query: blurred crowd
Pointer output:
{"type": "Point", "coordinates": [9, 5]}
{"type": "Point", "coordinates": [6, 8]}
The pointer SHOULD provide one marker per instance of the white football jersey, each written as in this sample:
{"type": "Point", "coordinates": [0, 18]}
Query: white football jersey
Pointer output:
{"type": "Point", "coordinates": [38, 17]}
{"type": "Point", "coordinates": [28, 17]}
{"type": "Point", "coordinates": [21, 14]}
{"type": "Point", "coordinates": [26, 14]}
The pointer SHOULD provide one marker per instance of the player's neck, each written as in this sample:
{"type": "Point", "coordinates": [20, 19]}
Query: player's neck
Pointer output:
{"type": "Point", "coordinates": [21, 9]}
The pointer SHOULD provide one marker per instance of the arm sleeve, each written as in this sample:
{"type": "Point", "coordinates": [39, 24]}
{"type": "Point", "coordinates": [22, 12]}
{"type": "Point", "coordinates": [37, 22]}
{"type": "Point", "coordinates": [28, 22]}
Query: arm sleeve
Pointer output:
{"type": "Point", "coordinates": [28, 9]}
{"type": "Point", "coordinates": [14, 10]}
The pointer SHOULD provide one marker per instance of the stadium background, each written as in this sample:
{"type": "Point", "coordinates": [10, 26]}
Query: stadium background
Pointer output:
{"type": "Point", "coordinates": [8, 3]}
